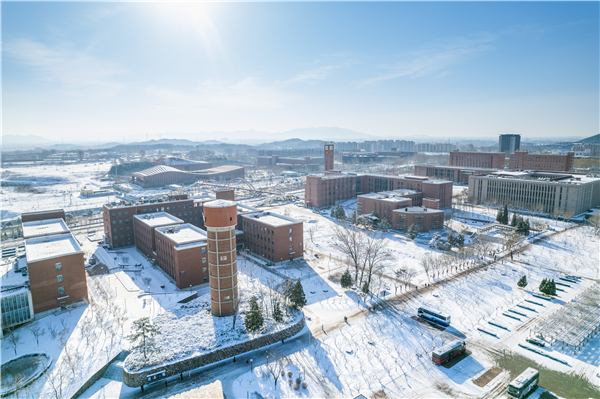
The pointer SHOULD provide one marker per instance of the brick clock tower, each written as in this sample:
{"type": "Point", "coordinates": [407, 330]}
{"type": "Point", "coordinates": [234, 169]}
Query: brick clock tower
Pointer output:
{"type": "Point", "coordinates": [328, 147]}
{"type": "Point", "coordinates": [220, 218]}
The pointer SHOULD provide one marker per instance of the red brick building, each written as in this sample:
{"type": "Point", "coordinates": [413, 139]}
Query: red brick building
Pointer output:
{"type": "Point", "coordinates": [56, 270]}
{"type": "Point", "coordinates": [425, 219]}
{"type": "Point", "coordinates": [326, 190]}
{"type": "Point", "coordinates": [455, 174]}
{"type": "Point", "coordinates": [145, 235]}
{"type": "Point", "coordinates": [118, 219]}
{"type": "Point", "coordinates": [181, 251]}
{"type": "Point", "coordinates": [494, 160]}
{"type": "Point", "coordinates": [43, 215]}
{"type": "Point", "coordinates": [522, 160]}
{"type": "Point", "coordinates": [383, 203]}
{"type": "Point", "coordinates": [431, 203]}
{"type": "Point", "coordinates": [274, 237]}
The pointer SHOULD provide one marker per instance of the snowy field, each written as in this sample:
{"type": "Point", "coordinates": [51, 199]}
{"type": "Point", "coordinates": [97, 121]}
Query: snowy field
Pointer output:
{"type": "Point", "coordinates": [60, 187]}
{"type": "Point", "coordinates": [390, 350]}
{"type": "Point", "coordinates": [189, 329]}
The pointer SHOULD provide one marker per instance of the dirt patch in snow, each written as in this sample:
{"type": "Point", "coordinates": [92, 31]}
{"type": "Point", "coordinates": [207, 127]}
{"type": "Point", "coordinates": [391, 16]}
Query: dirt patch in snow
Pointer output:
{"type": "Point", "coordinates": [486, 377]}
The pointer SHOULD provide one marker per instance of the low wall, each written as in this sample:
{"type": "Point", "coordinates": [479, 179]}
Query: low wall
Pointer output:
{"type": "Point", "coordinates": [95, 377]}
{"type": "Point", "coordinates": [139, 378]}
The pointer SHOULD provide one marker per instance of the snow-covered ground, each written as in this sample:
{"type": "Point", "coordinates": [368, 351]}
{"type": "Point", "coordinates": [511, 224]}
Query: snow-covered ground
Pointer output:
{"type": "Point", "coordinates": [189, 329]}
{"type": "Point", "coordinates": [61, 185]}
{"type": "Point", "coordinates": [390, 350]}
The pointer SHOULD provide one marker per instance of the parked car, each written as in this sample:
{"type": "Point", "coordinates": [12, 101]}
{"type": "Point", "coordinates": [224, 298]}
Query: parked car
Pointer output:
{"type": "Point", "coordinates": [536, 341]}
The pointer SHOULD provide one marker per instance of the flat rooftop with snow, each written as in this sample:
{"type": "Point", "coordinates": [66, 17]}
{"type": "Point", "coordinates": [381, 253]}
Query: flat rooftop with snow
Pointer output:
{"type": "Point", "coordinates": [46, 227]}
{"type": "Point", "coordinates": [158, 219]}
{"type": "Point", "coordinates": [271, 219]}
{"type": "Point", "coordinates": [183, 233]}
{"type": "Point", "coordinates": [49, 247]}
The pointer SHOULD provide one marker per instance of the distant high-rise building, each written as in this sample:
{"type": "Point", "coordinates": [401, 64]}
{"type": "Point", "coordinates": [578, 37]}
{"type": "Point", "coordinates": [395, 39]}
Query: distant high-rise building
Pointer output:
{"type": "Point", "coordinates": [328, 156]}
{"type": "Point", "coordinates": [509, 143]}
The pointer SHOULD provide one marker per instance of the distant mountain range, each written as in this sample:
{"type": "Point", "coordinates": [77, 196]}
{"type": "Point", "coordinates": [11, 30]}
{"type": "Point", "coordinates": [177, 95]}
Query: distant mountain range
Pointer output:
{"type": "Point", "coordinates": [311, 137]}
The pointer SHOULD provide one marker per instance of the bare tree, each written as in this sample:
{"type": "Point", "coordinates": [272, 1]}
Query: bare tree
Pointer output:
{"type": "Point", "coordinates": [426, 264]}
{"type": "Point", "coordinates": [14, 339]}
{"type": "Point", "coordinates": [274, 365]}
{"type": "Point", "coordinates": [57, 379]}
{"type": "Point", "coordinates": [147, 281]}
{"type": "Point", "coordinates": [37, 332]}
{"type": "Point", "coordinates": [349, 240]}
{"type": "Point", "coordinates": [375, 255]}
{"type": "Point", "coordinates": [72, 358]}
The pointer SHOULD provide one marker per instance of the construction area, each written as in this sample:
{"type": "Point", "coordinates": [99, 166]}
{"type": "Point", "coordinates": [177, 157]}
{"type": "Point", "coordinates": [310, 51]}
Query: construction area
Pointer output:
{"type": "Point", "coordinates": [576, 323]}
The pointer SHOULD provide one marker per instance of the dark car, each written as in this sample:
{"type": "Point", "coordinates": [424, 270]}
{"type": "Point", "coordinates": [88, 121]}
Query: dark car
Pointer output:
{"type": "Point", "coordinates": [536, 342]}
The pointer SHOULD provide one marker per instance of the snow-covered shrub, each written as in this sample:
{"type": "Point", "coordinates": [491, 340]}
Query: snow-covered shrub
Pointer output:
{"type": "Point", "coordinates": [304, 385]}
{"type": "Point", "coordinates": [439, 242]}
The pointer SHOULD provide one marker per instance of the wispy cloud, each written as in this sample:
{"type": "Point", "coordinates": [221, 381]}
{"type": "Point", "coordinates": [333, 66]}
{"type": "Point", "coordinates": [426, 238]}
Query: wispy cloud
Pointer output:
{"type": "Point", "coordinates": [73, 71]}
{"type": "Point", "coordinates": [315, 73]}
{"type": "Point", "coordinates": [434, 61]}
{"type": "Point", "coordinates": [244, 95]}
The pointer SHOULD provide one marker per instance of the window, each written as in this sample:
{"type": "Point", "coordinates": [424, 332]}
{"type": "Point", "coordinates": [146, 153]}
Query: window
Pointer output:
{"type": "Point", "coordinates": [203, 260]}
{"type": "Point", "coordinates": [204, 250]}
{"type": "Point", "coordinates": [226, 298]}
{"type": "Point", "coordinates": [291, 239]}
{"type": "Point", "coordinates": [204, 270]}
{"type": "Point", "coordinates": [182, 272]}
{"type": "Point", "coordinates": [59, 278]}
{"type": "Point", "coordinates": [290, 231]}
{"type": "Point", "coordinates": [223, 258]}
{"type": "Point", "coordinates": [58, 266]}
{"type": "Point", "coordinates": [291, 248]}
{"type": "Point", "coordinates": [205, 280]}
{"type": "Point", "coordinates": [61, 290]}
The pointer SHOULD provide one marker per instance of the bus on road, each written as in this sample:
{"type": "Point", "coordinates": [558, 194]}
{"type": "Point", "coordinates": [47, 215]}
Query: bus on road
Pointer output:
{"type": "Point", "coordinates": [448, 351]}
{"type": "Point", "coordinates": [434, 316]}
{"type": "Point", "coordinates": [523, 384]}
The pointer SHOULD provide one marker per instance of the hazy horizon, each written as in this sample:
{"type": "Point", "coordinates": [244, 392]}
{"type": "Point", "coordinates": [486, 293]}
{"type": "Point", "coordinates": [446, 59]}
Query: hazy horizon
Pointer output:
{"type": "Point", "coordinates": [100, 72]}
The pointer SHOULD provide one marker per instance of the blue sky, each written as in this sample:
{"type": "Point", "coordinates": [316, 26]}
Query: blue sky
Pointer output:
{"type": "Point", "coordinates": [474, 69]}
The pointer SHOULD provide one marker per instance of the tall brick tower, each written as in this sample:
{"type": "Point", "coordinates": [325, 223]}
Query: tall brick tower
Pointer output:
{"type": "Point", "coordinates": [328, 156]}
{"type": "Point", "coordinates": [220, 218]}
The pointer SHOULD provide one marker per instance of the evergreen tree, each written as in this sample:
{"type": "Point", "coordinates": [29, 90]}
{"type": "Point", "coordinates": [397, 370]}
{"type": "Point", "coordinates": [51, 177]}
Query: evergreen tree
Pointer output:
{"type": "Point", "coordinates": [526, 227]}
{"type": "Point", "coordinates": [505, 215]}
{"type": "Point", "coordinates": [333, 212]}
{"type": "Point", "coordinates": [519, 227]}
{"type": "Point", "coordinates": [354, 218]}
{"type": "Point", "coordinates": [499, 216]}
{"type": "Point", "coordinates": [254, 319]}
{"type": "Point", "coordinates": [551, 288]}
{"type": "Point", "coordinates": [346, 281]}
{"type": "Point", "coordinates": [522, 282]}
{"type": "Point", "coordinates": [365, 288]}
{"type": "Point", "coordinates": [452, 240]}
{"type": "Point", "coordinates": [514, 220]}
{"type": "Point", "coordinates": [413, 231]}
{"type": "Point", "coordinates": [543, 285]}
{"type": "Point", "coordinates": [277, 314]}
{"type": "Point", "coordinates": [460, 241]}
{"type": "Point", "coordinates": [142, 336]}
{"type": "Point", "coordinates": [384, 225]}
{"type": "Point", "coordinates": [298, 298]}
